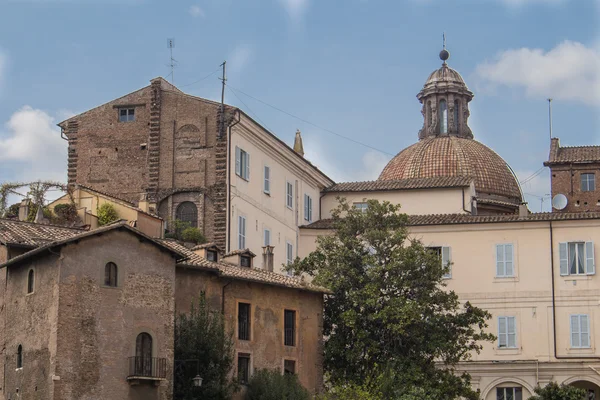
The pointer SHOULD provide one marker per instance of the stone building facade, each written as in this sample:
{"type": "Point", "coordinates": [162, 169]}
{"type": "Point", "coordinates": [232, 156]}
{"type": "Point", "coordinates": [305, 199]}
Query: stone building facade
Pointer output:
{"type": "Point", "coordinates": [574, 173]}
{"type": "Point", "coordinates": [90, 314]}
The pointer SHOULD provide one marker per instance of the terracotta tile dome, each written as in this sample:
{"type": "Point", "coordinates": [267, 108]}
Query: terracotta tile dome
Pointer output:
{"type": "Point", "coordinates": [456, 156]}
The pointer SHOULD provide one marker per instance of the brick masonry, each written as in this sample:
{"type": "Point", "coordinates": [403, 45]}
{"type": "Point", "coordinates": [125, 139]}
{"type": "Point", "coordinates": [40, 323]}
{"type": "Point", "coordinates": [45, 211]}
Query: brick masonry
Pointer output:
{"type": "Point", "coordinates": [566, 179]}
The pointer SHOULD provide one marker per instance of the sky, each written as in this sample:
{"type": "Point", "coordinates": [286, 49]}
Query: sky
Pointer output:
{"type": "Point", "coordinates": [337, 69]}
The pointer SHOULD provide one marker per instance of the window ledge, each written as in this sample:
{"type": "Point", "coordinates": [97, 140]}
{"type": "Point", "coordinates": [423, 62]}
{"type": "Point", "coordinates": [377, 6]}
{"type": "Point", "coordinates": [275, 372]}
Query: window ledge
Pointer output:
{"type": "Point", "coordinates": [508, 351]}
{"type": "Point", "coordinates": [137, 380]}
{"type": "Point", "coordinates": [504, 279]}
{"type": "Point", "coordinates": [267, 193]}
{"type": "Point", "coordinates": [110, 287]}
{"type": "Point", "coordinates": [581, 350]}
{"type": "Point", "coordinates": [577, 277]}
{"type": "Point", "coordinates": [19, 369]}
{"type": "Point", "coordinates": [29, 294]}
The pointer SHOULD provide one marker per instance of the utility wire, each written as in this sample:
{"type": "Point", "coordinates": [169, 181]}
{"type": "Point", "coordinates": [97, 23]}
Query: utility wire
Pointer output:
{"type": "Point", "coordinates": [249, 109]}
{"type": "Point", "coordinates": [310, 123]}
{"type": "Point", "coordinates": [529, 178]}
{"type": "Point", "coordinates": [200, 80]}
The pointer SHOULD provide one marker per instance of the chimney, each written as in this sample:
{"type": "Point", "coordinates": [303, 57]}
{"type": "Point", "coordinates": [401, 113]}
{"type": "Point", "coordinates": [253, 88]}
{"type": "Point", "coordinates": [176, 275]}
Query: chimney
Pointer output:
{"type": "Point", "coordinates": [523, 210]}
{"type": "Point", "coordinates": [268, 258]}
{"type": "Point", "coordinates": [298, 147]}
{"type": "Point", "coordinates": [24, 209]}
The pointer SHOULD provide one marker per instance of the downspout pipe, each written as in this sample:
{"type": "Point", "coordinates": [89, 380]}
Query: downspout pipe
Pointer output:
{"type": "Point", "coordinates": [228, 188]}
{"type": "Point", "coordinates": [223, 296]}
{"type": "Point", "coordinates": [554, 308]}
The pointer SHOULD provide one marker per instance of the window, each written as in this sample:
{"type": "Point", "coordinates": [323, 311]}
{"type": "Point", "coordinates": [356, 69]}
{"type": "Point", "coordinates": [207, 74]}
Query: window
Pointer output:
{"type": "Point", "coordinates": [509, 393]}
{"type": "Point", "coordinates": [110, 274]}
{"type": "Point", "coordinates": [443, 253]}
{"type": "Point", "coordinates": [289, 367]}
{"type": "Point", "coordinates": [588, 182]}
{"type": "Point", "coordinates": [577, 258]}
{"type": "Point", "coordinates": [30, 281]}
{"type": "Point", "coordinates": [580, 331]}
{"type": "Point", "coordinates": [20, 356]}
{"type": "Point", "coordinates": [187, 212]}
{"type": "Point", "coordinates": [289, 255]}
{"type": "Point", "coordinates": [245, 261]}
{"type": "Point", "coordinates": [456, 115]}
{"type": "Point", "coordinates": [443, 117]}
{"type": "Point", "coordinates": [507, 333]}
{"type": "Point", "coordinates": [243, 368]}
{"type": "Point", "coordinates": [267, 237]}
{"type": "Point", "coordinates": [307, 208]}
{"type": "Point", "coordinates": [289, 333]}
{"type": "Point", "coordinates": [361, 206]}
{"type": "Point", "coordinates": [143, 355]}
{"type": "Point", "coordinates": [242, 163]}
{"type": "Point", "coordinates": [211, 255]}
{"type": "Point", "coordinates": [126, 114]}
{"type": "Point", "coordinates": [241, 232]}
{"type": "Point", "coordinates": [243, 321]}
{"type": "Point", "coordinates": [289, 195]}
{"type": "Point", "coordinates": [504, 260]}
{"type": "Point", "coordinates": [267, 181]}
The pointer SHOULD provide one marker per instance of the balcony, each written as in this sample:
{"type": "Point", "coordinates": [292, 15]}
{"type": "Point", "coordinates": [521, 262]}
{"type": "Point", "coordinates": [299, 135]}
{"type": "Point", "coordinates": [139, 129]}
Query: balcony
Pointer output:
{"type": "Point", "coordinates": [150, 369]}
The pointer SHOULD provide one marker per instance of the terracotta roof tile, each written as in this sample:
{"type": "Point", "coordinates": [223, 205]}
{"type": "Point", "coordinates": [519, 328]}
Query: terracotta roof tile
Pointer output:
{"type": "Point", "coordinates": [452, 219]}
{"type": "Point", "coordinates": [30, 234]}
{"type": "Point", "coordinates": [247, 274]}
{"type": "Point", "coordinates": [240, 251]}
{"type": "Point", "coordinates": [574, 154]}
{"type": "Point", "coordinates": [402, 184]}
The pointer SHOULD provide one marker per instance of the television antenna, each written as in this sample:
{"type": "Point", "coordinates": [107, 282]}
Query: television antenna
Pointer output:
{"type": "Point", "coordinates": [559, 201]}
{"type": "Point", "coordinates": [173, 64]}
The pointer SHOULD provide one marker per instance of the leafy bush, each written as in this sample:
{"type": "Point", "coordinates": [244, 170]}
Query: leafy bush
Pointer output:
{"type": "Point", "coordinates": [13, 211]}
{"type": "Point", "coordinates": [272, 385]}
{"type": "Point", "coordinates": [65, 213]}
{"type": "Point", "coordinates": [553, 391]}
{"type": "Point", "coordinates": [33, 212]}
{"type": "Point", "coordinates": [107, 214]}
{"type": "Point", "coordinates": [193, 235]}
{"type": "Point", "coordinates": [351, 392]}
{"type": "Point", "coordinates": [184, 232]}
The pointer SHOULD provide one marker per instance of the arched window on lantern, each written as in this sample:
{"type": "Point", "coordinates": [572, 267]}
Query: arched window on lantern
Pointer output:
{"type": "Point", "coordinates": [188, 212]}
{"type": "Point", "coordinates": [443, 117]}
{"type": "Point", "coordinates": [457, 115]}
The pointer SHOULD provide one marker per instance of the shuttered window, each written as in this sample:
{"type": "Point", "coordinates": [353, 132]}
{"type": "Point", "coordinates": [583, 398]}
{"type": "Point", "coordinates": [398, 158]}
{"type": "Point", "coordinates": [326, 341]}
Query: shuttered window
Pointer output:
{"type": "Point", "coordinates": [241, 232]}
{"type": "Point", "coordinates": [307, 208]}
{"type": "Point", "coordinates": [504, 260]}
{"type": "Point", "coordinates": [577, 258]}
{"type": "Point", "coordinates": [242, 163]}
{"type": "Point", "coordinates": [289, 195]}
{"type": "Point", "coordinates": [507, 332]}
{"type": "Point", "coordinates": [580, 331]}
{"type": "Point", "coordinates": [267, 180]}
{"type": "Point", "coordinates": [445, 256]}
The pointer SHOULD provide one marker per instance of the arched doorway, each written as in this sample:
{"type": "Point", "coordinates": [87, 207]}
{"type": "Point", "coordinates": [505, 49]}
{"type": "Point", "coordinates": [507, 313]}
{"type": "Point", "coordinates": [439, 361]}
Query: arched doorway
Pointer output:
{"type": "Point", "coordinates": [592, 390]}
{"type": "Point", "coordinates": [143, 354]}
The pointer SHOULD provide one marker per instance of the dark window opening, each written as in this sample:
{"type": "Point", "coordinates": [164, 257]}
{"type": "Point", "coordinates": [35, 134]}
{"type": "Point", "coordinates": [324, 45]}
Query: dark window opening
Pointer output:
{"type": "Point", "coordinates": [243, 368]}
{"type": "Point", "coordinates": [143, 355]}
{"type": "Point", "coordinates": [30, 281]}
{"type": "Point", "coordinates": [244, 321]}
{"type": "Point", "coordinates": [211, 255]}
{"type": "Point", "coordinates": [290, 328]}
{"type": "Point", "coordinates": [20, 356]}
{"type": "Point", "coordinates": [126, 114]}
{"type": "Point", "coordinates": [245, 261]}
{"type": "Point", "coordinates": [509, 393]}
{"type": "Point", "coordinates": [110, 274]}
{"type": "Point", "coordinates": [188, 212]}
{"type": "Point", "coordinates": [289, 367]}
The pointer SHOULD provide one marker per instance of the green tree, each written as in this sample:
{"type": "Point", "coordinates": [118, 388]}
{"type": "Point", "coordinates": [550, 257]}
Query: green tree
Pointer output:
{"type": "Point", "coordinates": [107, 214]}
{"type": "Point", "coordinates": [553, 391]}
{"type": "Point", "coordinates": [272, 385]}
{"type": "Point", "coordinates": [183, 231]}
{"type": "Point", "coordinates": [201, 335]}
{"type": "Point", "coordinates": [390, 318]}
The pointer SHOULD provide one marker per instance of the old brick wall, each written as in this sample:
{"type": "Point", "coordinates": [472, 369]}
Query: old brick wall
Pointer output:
{"type": "Point", "coordinates": [108, 155]}
{"type": "Point", "coordinates": [30, 321]}
{"type": "Point", "coordinates": [98, 325]}
{"type": "Point", "coordinates": [267, 326]}
{"type": "Point", "coordinates": [567, 180]}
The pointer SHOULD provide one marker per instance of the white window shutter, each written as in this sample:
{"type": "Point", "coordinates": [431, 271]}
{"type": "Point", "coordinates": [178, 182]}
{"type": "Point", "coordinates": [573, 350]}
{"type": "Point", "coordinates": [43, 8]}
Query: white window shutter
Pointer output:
{"type": "Point", "coordinates": [564, 258]}
{"type": "Point", "coordinates": [508, 259]}
{"type": "Point", "coordinates": [511, 332]}
{"type": "Point", "coordinates": [575, 342]}
{"type": "Point", "coordinates": [500, 271]}
{"type": "Point", "coordinates": [309, 209]}
{"type": "Point", "coordinates": [247, 167]}
{"type": "Point", "coordinates": [446, 258]}
{"type": "Point", "coordinates": [267, 185]}
{"type": "Point", "coordinates": [238, 165]}
{"type": "Point", "coordinates": [502, 332]}
{"type": "Point", "coordinates": [590, 266]}
{"type": "Point", "coordinates": [584, 330]}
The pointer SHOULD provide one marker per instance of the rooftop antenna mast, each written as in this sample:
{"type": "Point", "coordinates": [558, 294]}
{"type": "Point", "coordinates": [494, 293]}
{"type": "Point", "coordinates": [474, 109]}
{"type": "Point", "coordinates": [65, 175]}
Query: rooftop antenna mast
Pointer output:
{"type": "Point", "coordinates": [171, 46]}
{"type": "Point", "coordinates": [224, 81]}
{"type": "Point", "coordinates": [550, 115]}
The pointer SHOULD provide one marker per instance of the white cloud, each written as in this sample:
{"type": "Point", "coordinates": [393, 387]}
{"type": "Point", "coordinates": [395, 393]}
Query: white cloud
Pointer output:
{"type": "Point", "coordinates": [196, 11]}
{"type": "Point", "coordinates": [239, 59]}
{"type": "Point", "coordinates": [295, 8]}
{"type": "Point", "coordinates": [570, 71]}
{"type": "Point", "coordinates": [31, 144]}
{"type": "Point", "coordinates": [536, 188]}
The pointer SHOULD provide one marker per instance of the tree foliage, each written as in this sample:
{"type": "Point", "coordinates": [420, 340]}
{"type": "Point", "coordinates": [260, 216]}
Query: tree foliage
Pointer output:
{"type": "Point", "coordinates": [390, 318]}
{"type": "Point", "coordinates": [272, 385]}
{"type": "Point", "coordinates": [201, 335]}
{"type": "Point", "coordinates": [107, 214]}
{"type": "Point", "coordinates": [185, 232]}
{"type": "Point", "coordinates": [553, 391]}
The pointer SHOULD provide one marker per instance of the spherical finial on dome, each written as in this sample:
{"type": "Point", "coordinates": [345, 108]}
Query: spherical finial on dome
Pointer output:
{"type": "Point", "coordinates": [444, 55]}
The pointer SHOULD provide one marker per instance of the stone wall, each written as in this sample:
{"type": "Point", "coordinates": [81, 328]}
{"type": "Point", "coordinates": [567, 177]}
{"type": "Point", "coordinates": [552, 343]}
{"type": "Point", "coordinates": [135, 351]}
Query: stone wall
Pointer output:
{"type": "Point", "coordinates": [567, 180]}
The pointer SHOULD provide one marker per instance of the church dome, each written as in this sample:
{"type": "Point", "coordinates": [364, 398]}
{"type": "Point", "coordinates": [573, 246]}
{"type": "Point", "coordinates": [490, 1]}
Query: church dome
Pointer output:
{"type": "Point", "coordinates": [457, 156]}
{"type": "Point", "coordinates": [444, 75]}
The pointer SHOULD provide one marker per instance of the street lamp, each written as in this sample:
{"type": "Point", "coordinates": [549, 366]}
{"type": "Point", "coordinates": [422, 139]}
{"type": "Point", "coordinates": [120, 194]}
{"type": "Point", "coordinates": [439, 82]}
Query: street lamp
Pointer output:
{"type": "Point", "coordinates": [197, 381]}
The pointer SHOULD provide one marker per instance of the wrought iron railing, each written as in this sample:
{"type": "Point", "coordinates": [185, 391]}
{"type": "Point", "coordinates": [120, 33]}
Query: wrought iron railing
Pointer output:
{"type": "Point", "coordinates": [148, 367]}
{"type": "Point", "coordinates": [290, 337]}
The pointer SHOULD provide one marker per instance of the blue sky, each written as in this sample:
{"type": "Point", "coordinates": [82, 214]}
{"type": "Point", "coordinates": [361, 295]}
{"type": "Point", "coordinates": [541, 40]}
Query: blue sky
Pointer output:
{"type": "Point", "coordinates": [352, 66]}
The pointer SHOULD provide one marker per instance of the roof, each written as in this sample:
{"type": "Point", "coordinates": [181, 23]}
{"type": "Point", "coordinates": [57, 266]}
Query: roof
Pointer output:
{"type": "Point", "coordinates": [457, 219]}
{"type": "Point", "coordinates": [452, 156]}
{"type": "Point", "coordinates": [437, 182]}
{"type": "Point", "coordinates": [207, 246]}
{"type": "Point", "coordinates": [226, 270]}
{"type": "Point", "coordinates": [241, 251]}
{"type": "Point", "coordinates": [29, 234]}
{"type": "Point", "coordinates": [572, 154]}
{"type": "Point", "coordinates": [114, 226]}
{"type": "Point", "coordinates": [122, 201]}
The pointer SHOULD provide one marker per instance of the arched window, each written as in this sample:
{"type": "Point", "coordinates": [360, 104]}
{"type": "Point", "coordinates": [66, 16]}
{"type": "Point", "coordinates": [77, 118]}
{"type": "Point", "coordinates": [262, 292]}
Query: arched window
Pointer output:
{"type": "Point", "coordinates": [188, 212]}
{"type": "Point", "coordinates": [143, 355]}
{"type": "Point", "coordinates": [30, 281]}
{"type": "Point", "coordinates": [110, 274]}
{"type": "Point", "coordinates": [428, 113]}
{"type": "Point", "coordinates": [20, 356]}
{"type": "Point", "coordinates": [443, 116]}
{"type": "Point", "coordinates": [456, 115]}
